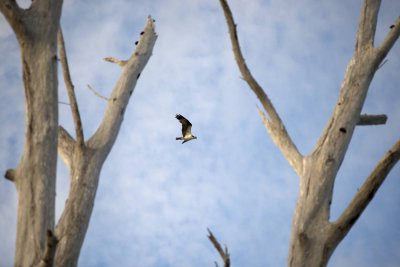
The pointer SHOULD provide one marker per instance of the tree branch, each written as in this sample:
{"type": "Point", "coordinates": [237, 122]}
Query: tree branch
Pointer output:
{"type": "Point", "coordinates": [274, 124]}
{"type": "Point", "coordinates": [116, 61]}
{"type": "Point", "coordinates": [80, 141]}
{"type": "Point", "coordinates": [366, 119]}
{"type": "Point", "coordinates": [224, 253]}
{"type": "Point", "coordinates": [367, 25]}
{"type": "Point", "coordinates": [96, 93]}
{"type": "Point", "coordinates": [247, 76]}
{"type": "Point", "coordinates": [389, 40]}
{"type": "Point", "coordinates": [367, 192]}
{"type": "Point", "coordinates": [107, 132]}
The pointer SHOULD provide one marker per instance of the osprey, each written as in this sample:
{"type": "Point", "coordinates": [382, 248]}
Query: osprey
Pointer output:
{"type": "Point", "coordinates": [186, 129]}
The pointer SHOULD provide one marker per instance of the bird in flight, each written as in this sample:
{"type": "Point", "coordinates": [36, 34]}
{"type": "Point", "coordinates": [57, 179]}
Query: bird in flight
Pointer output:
{"type": "Point", "coordinates": [186, 129]}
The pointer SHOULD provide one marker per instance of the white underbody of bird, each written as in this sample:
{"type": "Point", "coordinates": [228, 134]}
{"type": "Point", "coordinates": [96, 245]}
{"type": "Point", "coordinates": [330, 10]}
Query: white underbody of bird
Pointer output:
{"type": "Point", "coordinates": [186, 129]}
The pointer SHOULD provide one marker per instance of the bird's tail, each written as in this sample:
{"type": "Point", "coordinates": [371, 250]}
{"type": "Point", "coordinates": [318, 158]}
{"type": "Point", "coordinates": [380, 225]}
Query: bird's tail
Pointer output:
{"type": "Point", "coordinates": [179, 138]}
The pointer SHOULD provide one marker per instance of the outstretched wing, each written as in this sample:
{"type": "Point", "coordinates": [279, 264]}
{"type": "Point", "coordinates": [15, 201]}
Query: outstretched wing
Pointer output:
{"type": "Point", "coordinates": [186, 125]}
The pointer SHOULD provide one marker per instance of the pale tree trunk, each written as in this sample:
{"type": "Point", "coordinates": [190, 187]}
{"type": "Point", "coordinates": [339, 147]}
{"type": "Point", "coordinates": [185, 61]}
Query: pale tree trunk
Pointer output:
{"type": "Point", "coordinates": [39, 241]}
{"type": "Point", "coordinates": [34, 177]}
{"type": "Point", "coordinates": [314, 237]}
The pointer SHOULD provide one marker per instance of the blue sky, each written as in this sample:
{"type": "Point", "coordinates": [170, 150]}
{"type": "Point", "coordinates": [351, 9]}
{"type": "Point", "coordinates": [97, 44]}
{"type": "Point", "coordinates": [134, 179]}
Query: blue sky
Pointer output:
{"type": "Point", "coordinates": [157, 197]}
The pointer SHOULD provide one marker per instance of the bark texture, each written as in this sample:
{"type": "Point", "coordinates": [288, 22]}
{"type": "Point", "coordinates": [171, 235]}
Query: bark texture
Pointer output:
{"type": "Point", "coordinates": [34, 177]}
{"type": "Point", "coordinates": [314, 237]}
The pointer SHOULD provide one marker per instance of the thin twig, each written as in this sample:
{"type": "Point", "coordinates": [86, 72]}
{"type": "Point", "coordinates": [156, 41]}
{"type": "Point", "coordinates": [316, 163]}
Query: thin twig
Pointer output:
{"type": "Point", "coordinates": [116, 61]}
{"type": "Point", "coordinates": [70, 90]}
{"type": "Point", "coordinates": [96, 93]}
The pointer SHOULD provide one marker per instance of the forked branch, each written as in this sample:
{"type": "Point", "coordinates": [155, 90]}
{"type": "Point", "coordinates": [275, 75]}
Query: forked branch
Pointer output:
{"type": "Point", "coordinates": [85, 168]}
{"type": "Point", "coordinates": [273, 123]}
{"type": "Point", "coordinates": [119, 98]}
{"type": "Point", "coordinates": [283, 141]}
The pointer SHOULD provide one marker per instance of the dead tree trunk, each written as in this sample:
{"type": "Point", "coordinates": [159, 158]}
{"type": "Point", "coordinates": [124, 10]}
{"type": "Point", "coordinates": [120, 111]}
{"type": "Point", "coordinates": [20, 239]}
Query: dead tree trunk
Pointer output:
{"type": "Point", "coordinates": [314, 237]}
{"type": "Point", "coordinates": [37, 243]}
{"type": "Point", "coordinates": [34, 177]}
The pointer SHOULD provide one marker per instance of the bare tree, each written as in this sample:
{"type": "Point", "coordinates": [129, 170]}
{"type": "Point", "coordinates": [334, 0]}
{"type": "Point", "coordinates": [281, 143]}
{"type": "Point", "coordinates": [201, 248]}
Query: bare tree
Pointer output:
{"type": "Point", "coordinates": [41, 242]}
{"type": "Point", "coordinates": [314, 237]}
